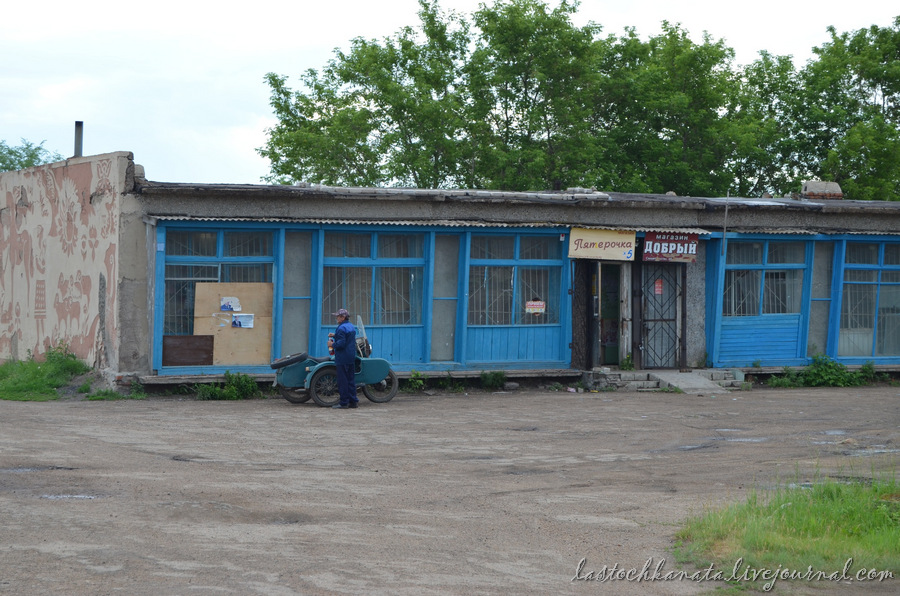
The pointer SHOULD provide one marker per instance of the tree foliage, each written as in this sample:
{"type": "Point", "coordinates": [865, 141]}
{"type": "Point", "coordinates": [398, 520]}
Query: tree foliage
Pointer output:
{"type": "Point", "coordinates": [518, 97]}
{"type": "Point", "coordinates": [24, 156]}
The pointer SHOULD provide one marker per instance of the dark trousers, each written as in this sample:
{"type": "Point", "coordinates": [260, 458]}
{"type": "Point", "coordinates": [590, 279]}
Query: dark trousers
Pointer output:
{"type": "Point", "coordinates": [346, 384]}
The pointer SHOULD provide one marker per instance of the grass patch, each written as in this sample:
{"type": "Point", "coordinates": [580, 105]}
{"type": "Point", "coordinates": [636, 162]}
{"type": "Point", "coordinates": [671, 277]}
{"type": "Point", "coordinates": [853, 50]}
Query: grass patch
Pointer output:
{"type": "Point", "coordinates": [492, 380]}
{"type": "Point", "coordinates": [33, 380]}
{"type": "Point", "coordinates": [237, 386]}
{"type": "Point", "coordinates": [819, 527]}
{"type": "Point", "coordinates": [825, 372]}
{"type": "Point", "coordinates": [415, 383]}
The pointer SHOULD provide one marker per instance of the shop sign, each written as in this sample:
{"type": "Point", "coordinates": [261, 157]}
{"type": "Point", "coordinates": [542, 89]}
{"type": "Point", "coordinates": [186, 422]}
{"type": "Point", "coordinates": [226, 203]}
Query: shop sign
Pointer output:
{"type": "Point", "coordinates": [535, 307]}
{"type": "Point", "coordinates": [611, 245]}
{"type": "Point", "coordinates": [668, 246]}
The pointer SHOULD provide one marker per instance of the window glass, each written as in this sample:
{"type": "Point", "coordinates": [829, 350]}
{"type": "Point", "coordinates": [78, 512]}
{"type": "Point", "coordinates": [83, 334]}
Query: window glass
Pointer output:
{"type": "Point", "coordinates": [493, 247]}
{"type": "Point", "coordinates": [350, 288]}
{"type": "Point", "coordinates": [540, 247]}
{"type": "Point", "coordinates": [860, 275]}
{"type": "Point", "coordinates": [787, 252]}
{"type": "Point", "coordinates": [254, 273]}
{"type": "Point", "coordinates": [861, 254]}
{"type": "Point", "coordinates": [538, 285]}
{"type": "Point", "coordinates": [782, 291]}
{"type": "Point", "coordinates": [744, 253]}
{"type": "Point", "coordinates": [348, 245]}
{"type": "Point", "coordinates": [398, 300]}
{"type": "Point", "coordinates": [191, 244]}
{"type": "Point", "coordinates": [180, 284]}
{"type": "Point", "coordinates": [892, 254]}
{"type": "Point", "coordinates": [490, 295]}
{"type": "Point", "coordinates": [741, 293]}
{"type": "Point", "coordinates": [400, 246]}
{"type": "Point", "coordinates": [248, 244]}
{"type": "Point", "coordinates": [857, 320]}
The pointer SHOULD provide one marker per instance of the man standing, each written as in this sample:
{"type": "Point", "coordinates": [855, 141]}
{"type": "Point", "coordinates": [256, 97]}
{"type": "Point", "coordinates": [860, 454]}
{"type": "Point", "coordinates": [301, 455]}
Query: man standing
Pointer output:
{"type": "Point", "coordinates": [344, 345]}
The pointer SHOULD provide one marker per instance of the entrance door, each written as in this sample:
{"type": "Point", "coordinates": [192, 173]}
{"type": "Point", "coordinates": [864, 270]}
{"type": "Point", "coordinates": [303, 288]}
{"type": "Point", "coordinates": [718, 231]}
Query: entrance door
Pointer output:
{"type": "Point", "coordinates": [606, 315]}
{"type": "Point", "coordinates": [661, 321]}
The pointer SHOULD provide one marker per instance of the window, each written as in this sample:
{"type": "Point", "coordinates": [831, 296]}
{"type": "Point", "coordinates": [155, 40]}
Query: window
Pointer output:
{"type": "Point", "coordinates": [870, 304]}
{"type": "Point", "coordinates": [763, 278]}
{"type": "Point", "coordinates": [514, 281]}
{"type": "Point", "coordinates": [195, 256]}
{"type": "Point", "coordinates": [385, 287]}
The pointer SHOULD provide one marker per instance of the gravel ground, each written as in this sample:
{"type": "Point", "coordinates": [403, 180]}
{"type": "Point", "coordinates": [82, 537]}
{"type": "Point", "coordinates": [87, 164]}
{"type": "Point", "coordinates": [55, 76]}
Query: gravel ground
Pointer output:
{"type": "Point", "coordinates": [500, 493]}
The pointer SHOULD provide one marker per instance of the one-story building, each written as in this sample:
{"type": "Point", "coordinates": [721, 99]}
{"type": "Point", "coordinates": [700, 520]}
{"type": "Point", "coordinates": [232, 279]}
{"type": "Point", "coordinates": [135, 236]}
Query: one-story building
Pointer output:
{"type": "Point", "coordinates": [159, 279]}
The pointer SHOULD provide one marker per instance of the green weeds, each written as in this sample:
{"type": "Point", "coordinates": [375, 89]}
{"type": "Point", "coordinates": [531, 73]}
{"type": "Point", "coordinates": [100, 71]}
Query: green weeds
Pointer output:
{"type": "Point", "coordinates": [237, 386]}
{"type": "Point", "coordinates": [415, 383]}
{"type": "Point", "coordinates": [33, 380]}
{"type": "Point", "coordinates": [825, 372]}
{"type": "Point", "coordinates": [818, 525]}
{"type": "Point", "coordinates": [493, 379]}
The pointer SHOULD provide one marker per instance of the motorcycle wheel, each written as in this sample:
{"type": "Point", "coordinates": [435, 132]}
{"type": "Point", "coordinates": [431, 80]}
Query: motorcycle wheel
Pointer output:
{"type": "Point", "coordinates": [383, 391]}
{"type": "Point", "coordinates": [324, 387]}
{"type": "Point", "coordinates": [294, 396]}
{"type": "Point", "coordinates": [282, 362]}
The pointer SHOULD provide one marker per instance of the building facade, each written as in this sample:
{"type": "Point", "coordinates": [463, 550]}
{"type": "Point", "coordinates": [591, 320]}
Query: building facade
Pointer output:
{"type": "Point", "coordinates": [171, 279]}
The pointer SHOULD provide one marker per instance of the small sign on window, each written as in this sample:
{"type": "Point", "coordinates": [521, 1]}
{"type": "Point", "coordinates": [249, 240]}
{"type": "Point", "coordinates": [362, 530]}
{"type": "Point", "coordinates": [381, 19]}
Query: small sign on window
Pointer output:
{"type": "Point", "coordinates": [535, 307]}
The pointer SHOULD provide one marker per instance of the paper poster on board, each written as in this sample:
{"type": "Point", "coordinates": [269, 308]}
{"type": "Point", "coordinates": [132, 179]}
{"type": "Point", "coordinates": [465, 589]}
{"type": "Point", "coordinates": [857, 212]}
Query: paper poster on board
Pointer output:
{"type": "Point", "coordinates": [244, 321]}
{"type": "Point", "coordinates": [230, 303]}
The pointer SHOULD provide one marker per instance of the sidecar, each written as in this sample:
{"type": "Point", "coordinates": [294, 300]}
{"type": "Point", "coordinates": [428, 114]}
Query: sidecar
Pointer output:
{"type": "Point", "coordinates": [300, 376]}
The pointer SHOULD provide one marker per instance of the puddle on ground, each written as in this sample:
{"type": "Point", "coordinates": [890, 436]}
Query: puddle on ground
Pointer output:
{"type": "Point", "coordinates": [873, 451]}
{"type": "Point", "coordinates": [834, 432]}
{"type": "Point", "coordinates": [62, 497]}
{"type": "Point", "coordinates": [25, 470]}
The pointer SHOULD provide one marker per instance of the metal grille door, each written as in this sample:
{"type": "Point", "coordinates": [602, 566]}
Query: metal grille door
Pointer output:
{"type": "Point", "coordinates": [661, 335]}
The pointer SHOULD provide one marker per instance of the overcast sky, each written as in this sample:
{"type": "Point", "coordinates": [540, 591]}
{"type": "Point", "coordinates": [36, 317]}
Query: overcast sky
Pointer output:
{"type": "Point", "coordinates": [181, 85]}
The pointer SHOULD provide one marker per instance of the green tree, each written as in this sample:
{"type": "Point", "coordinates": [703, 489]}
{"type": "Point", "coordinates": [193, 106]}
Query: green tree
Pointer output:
{"type": "Point", "coordinates": [659, 115]}
{"type": "Point", "coordinates": [25, 155]}
{"type": "Point", "coordinates": [517, 97]}
{"type": "Point", "coordinates": [385, 113]}
{"type": "Point", "coordinates": [530, 78]}
{"type": "Point", "coordinates": [759, 126]}
{"type": "Point", "coordinates": [847, 124]}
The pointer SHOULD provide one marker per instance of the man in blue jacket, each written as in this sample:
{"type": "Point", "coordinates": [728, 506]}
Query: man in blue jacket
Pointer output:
{"type": "Point", "coordinates": [344, 345]}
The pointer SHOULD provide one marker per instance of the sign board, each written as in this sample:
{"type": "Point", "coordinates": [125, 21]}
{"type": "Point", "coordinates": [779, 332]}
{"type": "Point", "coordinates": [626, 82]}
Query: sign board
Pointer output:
{"type": "Point", "coordinates": [535, 307]}
{"type": "Point", "coordinates": [669, 246]}
{"type": "Point", "coordinates": [610, 245]}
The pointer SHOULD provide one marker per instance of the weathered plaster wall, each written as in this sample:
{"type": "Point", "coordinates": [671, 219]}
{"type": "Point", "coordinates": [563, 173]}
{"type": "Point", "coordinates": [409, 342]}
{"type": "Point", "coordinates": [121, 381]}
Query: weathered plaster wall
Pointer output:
{"type": "Point", "coordinates": [59, 239]}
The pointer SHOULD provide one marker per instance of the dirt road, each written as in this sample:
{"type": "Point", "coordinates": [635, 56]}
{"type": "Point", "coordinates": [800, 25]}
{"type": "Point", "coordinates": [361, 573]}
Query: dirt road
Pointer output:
{"type": "Point", "coordinates": [449, 494]}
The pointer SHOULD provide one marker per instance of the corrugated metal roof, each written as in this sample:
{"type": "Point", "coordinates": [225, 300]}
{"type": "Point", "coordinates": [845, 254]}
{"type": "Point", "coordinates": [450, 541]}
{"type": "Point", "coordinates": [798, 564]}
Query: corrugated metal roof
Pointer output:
{"type": "Point", "coordinates": [430, 223]}
{"type": "Point", "coordinates": [796, 232]}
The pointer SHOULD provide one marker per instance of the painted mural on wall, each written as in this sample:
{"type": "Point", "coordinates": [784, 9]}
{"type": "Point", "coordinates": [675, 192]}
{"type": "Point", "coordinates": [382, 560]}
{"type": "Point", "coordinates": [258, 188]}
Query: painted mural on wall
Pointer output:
{"type": "Point", "coordinates": [58, 235]}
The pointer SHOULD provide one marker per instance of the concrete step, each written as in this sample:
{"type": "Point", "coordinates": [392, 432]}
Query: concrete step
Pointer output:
{"type": "Point", "coordinates": [693, 381]}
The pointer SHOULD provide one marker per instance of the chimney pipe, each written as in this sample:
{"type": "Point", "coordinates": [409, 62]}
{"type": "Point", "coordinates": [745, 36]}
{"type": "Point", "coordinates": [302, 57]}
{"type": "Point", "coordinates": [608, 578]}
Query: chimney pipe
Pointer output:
{"type": "Point", "coordinates": [79, 137]}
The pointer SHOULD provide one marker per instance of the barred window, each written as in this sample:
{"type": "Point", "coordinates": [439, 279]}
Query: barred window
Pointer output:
{"type": "Point", "coordinates": [196, 256]}
{"type": "Point", "coordinates": [384, 288]}
{"type": "Point", "coordinates": [191, 244]}
{"type": "Point", "coordinates": [348, 245]}
{"type": "Point", "coordinates": [248, 244]}
{"type": "Point", "coordinates": [763, 278]}
{"type": "Point", "coordinates": [870, 304]}
{"type": "Point", "coordinates": [181, 282]}
{"type": "Point", "coordinates": [510, 285]}
{"type": "Point", "coordinates": [490, 295]}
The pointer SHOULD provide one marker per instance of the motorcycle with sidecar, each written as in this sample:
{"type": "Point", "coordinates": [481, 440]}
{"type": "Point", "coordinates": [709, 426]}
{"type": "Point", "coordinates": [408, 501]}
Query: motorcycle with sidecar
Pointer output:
{"type": "Point", "coordinates": [300, 376]}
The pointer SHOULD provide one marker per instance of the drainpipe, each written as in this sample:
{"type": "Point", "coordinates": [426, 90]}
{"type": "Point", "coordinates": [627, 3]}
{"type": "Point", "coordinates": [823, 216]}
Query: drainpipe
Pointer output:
{"type": "Point", "coordinates": [79, 137]}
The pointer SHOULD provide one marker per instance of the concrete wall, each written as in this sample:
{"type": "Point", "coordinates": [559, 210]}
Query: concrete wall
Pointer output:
{"type": "Point", "coordinates": [60, 235]}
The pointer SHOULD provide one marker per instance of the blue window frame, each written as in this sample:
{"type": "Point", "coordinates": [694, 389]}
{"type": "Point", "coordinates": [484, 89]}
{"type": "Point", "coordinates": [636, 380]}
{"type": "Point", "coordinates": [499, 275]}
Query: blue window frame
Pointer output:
{"type": "Point", "coordinates": [514, 280]}
{"type": "Point", "coordinates": [763, 277]}
{"type": "Point", "coordinates": [378, 276]}
{"type": "Point", "coordinates": [193, 256]}
{"type": "Point", "coordinates": [870, 300]}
